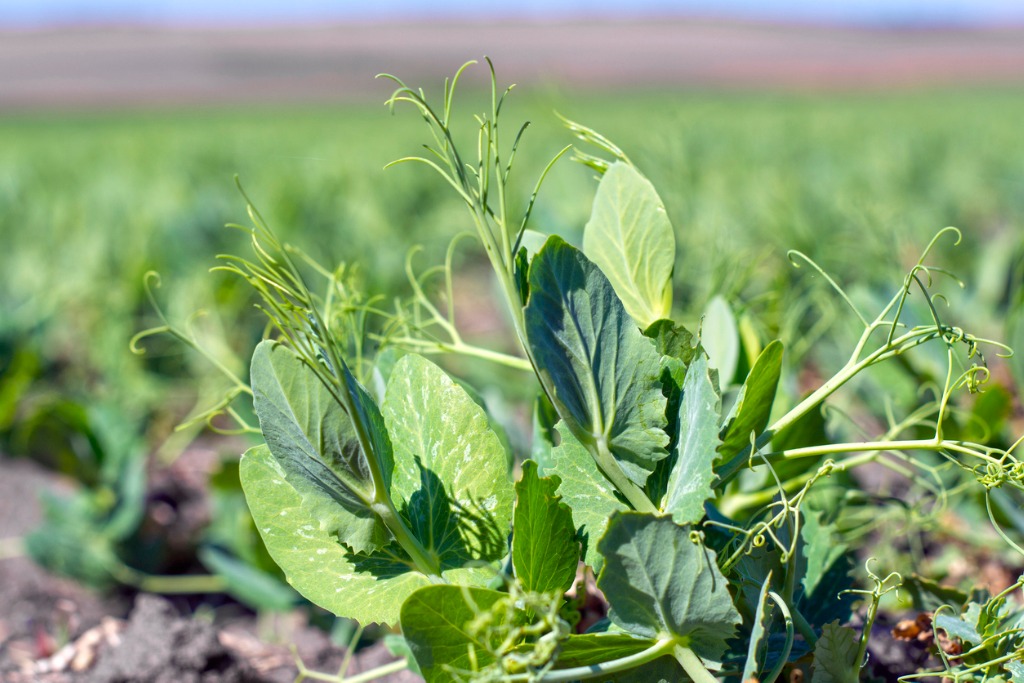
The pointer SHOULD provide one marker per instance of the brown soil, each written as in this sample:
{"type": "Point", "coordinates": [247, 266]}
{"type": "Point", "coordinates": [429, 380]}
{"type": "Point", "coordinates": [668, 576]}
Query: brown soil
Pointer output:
{"type": "Point", "coordinates": [55, 631]}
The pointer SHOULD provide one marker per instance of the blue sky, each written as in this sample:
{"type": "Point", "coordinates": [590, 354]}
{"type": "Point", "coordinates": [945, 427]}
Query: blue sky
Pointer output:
{"type": "Point", "coordinates": [29, 12]}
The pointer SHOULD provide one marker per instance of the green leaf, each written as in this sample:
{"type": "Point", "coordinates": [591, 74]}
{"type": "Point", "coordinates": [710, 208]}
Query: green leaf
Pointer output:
{"type": "Point", "coordinates": [631, 239]}
{"type": "Point", "coordinates": [449, 484]}
{"type": "Point", "coordinates": [662, 670]}
{"type": "Point", "coordinates": [367, 588]}
{"type": "Point", "coordinates": [587, 492]}
{"type": "Point", "coordinates": [672, 340]}
{"type": "Point", "coordinates": [545, 551]}
{"type": "Point", "coordinates": [435, 622]}
{"type": "Point", "coordinates": [821, 549]}
{"type": "Point", "coordinates": [601, 373]}
{"type": "Point", "coordinates": [544, 420]}
{"type": "Point", "coordinates": [594, 648]}
{"type": "Point", "coordinates": [700, 409]}
{"type": "Point", "coordinates": [660, 583]}
{"type": "Point", "coordinates": [927, 595]}
{"type": "Point", "coordinates": [1016, 670]}
{"type": "Point", "coordinates": [835, 656]}
{"type": "Point", "coordinates": [762, 619]}
{"type": "Point", "coordinates": [720, 338]}
{"type": "Point", "coordinates": [450, 467]}
{"type": "Point", "coordinates": [314, 441]}
{"type": "Point", "coordinates": [754, 404]}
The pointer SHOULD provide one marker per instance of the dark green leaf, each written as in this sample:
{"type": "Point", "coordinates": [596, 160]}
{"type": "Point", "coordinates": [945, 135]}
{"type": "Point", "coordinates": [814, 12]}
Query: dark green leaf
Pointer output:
{"type": "Point", "coordinates": [689, 483]}
{"type": "Point", "coordinates": [314, 442]}
{"type": "Point", "coordinates": [601, 373]}
{"type": "Point", "coordinates": [593, 648]}
{"type": "Point", "coordinates": [630, 238]}
{"type": "Point", "coordinates": [927, 595]}
{"type": "Point", "coordinates": [835, 656]}
{"type": "Point", "coordinates": [587, 492]}
{"type": "Point", "coordinates": [545, 552]}
{"type": "Point", "coordinates": [659, 582]}
{"type": "Point", "coordinates": [762, 619]}
{"type": "Point", "coordinates": [672, 340]}
{"type": "Point", "coordinates": [754, 404]}
{"type": "Point", "coordinates": [435, 622]}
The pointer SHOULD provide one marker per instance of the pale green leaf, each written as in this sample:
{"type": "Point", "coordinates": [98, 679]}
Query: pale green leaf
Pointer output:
{"type": "Point", "coordinates": [690, 481]}
{"type": "Point", "coordinates": [587, 492]}
{"type": "Point", "coordinates": [450, 468]}
{"type": "Point", "coordinates": [630, 238]}
{"type": "Point", "coordinates": [314, 442]}
{"type": "Point", "coordinates": [435, 622]}
{"type": "Point", "coordinates": [720, 338]}
{"type": "Point", "coordinates": [1016, 670]}
{"type": "Point", "coordinates": [835, 656]}
{"type": "Point", "coordinates": [326, 572]}
{"type": "Point", "coordinates": [754, 405]}
{"type": "Point", "coordinates": [659, 583]}
{"type": "Point", "coordinates": [601, 373]}
{"type": "Point", "coordinates": [545, 552]}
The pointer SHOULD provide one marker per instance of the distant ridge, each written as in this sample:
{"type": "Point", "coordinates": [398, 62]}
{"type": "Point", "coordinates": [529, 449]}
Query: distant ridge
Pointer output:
{"type": "Point", "coordinates": [145, 66]}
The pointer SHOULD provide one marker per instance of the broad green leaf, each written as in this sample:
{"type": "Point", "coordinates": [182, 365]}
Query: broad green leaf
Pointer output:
{"type": "Point", "coordinates": [662, 670]}
{"type": "Point", "coordinates": [450, 468]}
{"type": "Point", "coordinates": [587, 492]}
{"type": "Point", "coordinates": [367, 588]}
{"type": "Point", "coordinates": [660, 583]}
{"type": "Point", "coordinates": [630, 238]}
{"type": "Point", "coordinates": [601, 373]}
{"type": "Point", "coordinates": [314, 441]}
{"type": "Point", "coordinates": [762, 619]}
{"type": "Point", "coordinates": [754, 404]}
{"type": "Point", "coordinates": [449, 485]}
{"type": "Point", "coordinates": [720, 338]}
{"type": "Point", "coordinates": [826, 565]}
{"type": "Point", "coordinates": [835, 656]}
{"type": "Point", "coordinates": [963, 627]}
{"type": "Point", "coordinates": [545, 551]}
{"type": "Point", "coordinates": [436, 624]}
{"type": "Point", "coordinates": [690, 482]}
{"type": "Point", "coordinates": [1016, 670]}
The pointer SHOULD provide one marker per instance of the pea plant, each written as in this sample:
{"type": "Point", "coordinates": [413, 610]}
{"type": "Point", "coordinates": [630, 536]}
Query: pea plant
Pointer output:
{"type": "Point", "coordinates": [720, 519]}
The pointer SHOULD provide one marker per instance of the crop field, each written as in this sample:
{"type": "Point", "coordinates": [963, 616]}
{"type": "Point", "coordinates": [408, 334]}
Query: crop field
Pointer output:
{"type": "Point", "coordinates": [790, 217]}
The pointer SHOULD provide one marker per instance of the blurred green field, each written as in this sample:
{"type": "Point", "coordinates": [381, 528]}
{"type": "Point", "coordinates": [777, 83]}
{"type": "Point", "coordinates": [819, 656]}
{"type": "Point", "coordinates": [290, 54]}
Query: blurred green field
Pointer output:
{"type": "Point", "coordinates": [90, 203]}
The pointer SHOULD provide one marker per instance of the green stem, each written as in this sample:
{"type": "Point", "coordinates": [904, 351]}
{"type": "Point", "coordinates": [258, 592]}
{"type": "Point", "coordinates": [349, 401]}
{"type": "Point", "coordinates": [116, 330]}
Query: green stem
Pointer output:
{"type": "Point", "coordinates": [692, 665]}
{"type": "Point", "coordinates": [610, 468]}
{"type": "Point", "coordinates": [579, 673]}
{"type": "Point", "coordinates": [370, 675]}
{"type": "Point", "coordinates": [183, 584]}
{"type": "Point", "coordinates": [426, 563]}
{"type": "Point", "coordinates": [802, 625]}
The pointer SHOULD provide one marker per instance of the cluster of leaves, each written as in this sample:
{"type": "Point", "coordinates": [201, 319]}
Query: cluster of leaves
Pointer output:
{"type": "Point", "coordinates": [708, 512]}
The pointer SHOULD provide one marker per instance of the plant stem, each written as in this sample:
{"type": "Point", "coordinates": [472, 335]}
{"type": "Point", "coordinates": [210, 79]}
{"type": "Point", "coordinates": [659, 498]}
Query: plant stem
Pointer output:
{"type": "Point", "coordinates": [425, 563]}
{"type": "Point", "coordinates": [363, 677]}
{"type": "Point", "coordinates": [659, 649]}
{"type": "Point", "coordinates": [610, 468]}
{"type": "Point", "coordinates": [692, 665]}
{"type": "Point", "coordinates": [175, 584]}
